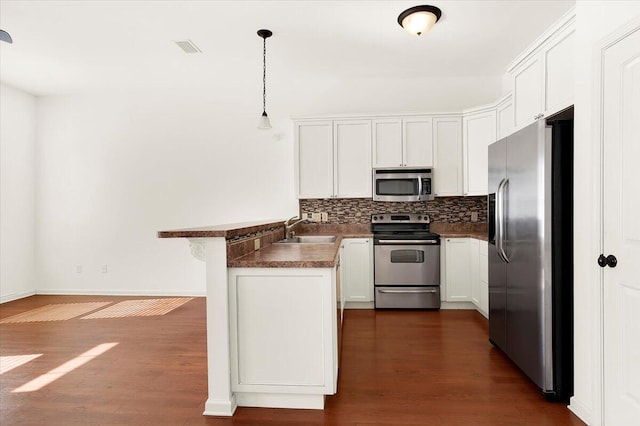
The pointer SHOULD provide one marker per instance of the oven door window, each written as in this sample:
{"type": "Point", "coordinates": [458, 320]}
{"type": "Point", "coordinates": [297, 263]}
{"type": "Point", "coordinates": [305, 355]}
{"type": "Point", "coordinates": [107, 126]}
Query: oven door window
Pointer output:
{"type": "Point", "coordinates": [407, 186]}
{"type": "Point", "coordinates": [407, 256]}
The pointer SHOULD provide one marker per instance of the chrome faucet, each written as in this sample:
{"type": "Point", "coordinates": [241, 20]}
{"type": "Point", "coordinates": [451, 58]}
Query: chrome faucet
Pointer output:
{"type": "Point", "coordinates": [288, 226]}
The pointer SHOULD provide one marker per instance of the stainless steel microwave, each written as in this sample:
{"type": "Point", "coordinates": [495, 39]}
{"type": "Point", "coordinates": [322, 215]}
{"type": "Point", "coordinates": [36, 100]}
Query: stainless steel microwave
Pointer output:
{"type": "Point", "coordinates": [402, 184]}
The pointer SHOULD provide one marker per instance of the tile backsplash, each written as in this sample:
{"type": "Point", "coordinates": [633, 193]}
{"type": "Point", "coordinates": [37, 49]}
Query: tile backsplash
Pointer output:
{"type": "Point", "coordinates": [359, 210]}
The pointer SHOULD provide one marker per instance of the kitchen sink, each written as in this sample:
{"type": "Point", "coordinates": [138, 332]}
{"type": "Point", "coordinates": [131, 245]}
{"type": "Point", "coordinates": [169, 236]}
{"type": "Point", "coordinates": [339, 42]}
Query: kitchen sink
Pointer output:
{"type": "Point", "coordinates": [309, 239]}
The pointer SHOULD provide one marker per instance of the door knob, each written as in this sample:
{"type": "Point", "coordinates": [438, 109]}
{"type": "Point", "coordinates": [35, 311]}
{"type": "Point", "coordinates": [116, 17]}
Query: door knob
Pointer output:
{"type": "Point", "coordinates": [610, 261]}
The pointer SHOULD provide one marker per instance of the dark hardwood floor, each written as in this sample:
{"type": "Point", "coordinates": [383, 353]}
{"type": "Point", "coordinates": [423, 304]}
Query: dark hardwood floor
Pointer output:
{"type": "Point", "coordinates": [397, 368]}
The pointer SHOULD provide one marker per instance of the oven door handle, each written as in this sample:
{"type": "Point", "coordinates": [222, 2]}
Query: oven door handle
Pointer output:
{"type": "Point", "coordinates": [430, 290]}
{"type": "Point", "coordinates": [407, 242]}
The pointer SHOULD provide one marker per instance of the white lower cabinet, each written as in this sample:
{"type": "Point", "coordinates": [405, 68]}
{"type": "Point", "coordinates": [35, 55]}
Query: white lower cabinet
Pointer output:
{"type": "Point", "coordinates": [464, 274]}
{"type": "Point", "coordinates": [357, 272]}
{"type": "Point", "coordinates": [283, 336]}
{"type": "Point", "coordinates": [456, 273]}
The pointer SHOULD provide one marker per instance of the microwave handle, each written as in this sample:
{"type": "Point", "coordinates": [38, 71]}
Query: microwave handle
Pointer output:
{"type": "Point", "coordinates": [419, 186]}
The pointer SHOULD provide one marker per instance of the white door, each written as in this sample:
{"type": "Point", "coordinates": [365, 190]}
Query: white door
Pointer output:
{"type": "Point", "coordinates": [621, 236]}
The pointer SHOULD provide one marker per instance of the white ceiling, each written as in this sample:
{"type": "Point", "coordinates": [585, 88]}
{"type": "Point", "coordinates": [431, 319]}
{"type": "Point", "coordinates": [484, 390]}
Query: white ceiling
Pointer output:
{"type": "Point", "coordinates": [75, 46]}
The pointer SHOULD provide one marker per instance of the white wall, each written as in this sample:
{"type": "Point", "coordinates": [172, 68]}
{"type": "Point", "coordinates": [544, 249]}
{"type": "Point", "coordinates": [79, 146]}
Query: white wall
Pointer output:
{"type": "Point", "coordinates": [116, 168]}
{"type": "Point", "coordinates": [594, 21]}
{"type": "Point", "coordinates": [17, 196]}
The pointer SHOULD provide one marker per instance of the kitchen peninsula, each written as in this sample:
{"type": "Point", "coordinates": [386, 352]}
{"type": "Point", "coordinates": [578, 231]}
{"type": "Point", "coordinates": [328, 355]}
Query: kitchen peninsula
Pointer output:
{"type": "Point", "coordinates": [272, 327]}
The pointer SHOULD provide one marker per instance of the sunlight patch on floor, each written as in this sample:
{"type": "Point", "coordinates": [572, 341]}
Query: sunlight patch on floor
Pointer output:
{"type": "Point", "coordinates": [58, 312]}
{"type": "Point", "coordinates": [53, 375]}
{"type": "Point", "coordinates": [9, 362]}
{"type": "Point", "coordinates": [140, 308]}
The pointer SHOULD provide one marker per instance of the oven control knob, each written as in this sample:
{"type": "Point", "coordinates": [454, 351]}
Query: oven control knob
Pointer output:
{"type": "Point", "coordinates": [426, 218]}
{"type": "Point", "coordinates": [419, 217]}
{"type": "Point", "coordinates": [375, 218]}
{"type": "Point", "coordinates": [380, 217]}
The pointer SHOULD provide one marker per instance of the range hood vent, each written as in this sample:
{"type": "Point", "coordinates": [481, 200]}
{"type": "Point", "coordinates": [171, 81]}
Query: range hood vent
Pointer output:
{"type": "Point", "coordinates": [188, 46]}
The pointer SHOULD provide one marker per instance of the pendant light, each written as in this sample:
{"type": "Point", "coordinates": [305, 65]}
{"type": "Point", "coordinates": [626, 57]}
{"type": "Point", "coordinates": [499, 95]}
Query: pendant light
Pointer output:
{"type": "Point", "coordinates": [264, 120]}
{"type": "Point", "coordinates": [419, 19]}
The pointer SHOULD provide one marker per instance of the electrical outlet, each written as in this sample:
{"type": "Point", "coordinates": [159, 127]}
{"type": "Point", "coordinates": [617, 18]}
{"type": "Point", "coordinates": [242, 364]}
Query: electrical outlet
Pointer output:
{"type": "Point", "coordinates": [256, 244]}
{"type": "Point", "coordinates": [78, 269]}
{"type": "Point", "coordinates": [104, 269]}
{"type": "Point", "coordinates": [315, 217]}
{"type": "Point", "coordinates": [474, 216]}
{"type": "Point", "coordinates": [308, 216]}
{"type": "Point", "coordinates": [324, 217]}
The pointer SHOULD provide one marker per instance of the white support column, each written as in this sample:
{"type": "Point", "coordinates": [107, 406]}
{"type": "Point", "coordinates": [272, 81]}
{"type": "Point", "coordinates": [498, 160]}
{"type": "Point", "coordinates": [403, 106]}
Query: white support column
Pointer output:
{"type": "Point", "coordinates": [221, 400]}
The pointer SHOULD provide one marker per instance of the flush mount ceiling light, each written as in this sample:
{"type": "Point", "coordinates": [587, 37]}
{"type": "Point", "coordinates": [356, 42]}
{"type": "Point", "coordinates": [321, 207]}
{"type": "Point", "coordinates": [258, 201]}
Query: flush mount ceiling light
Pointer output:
{"type": "Point", "coordinates": [264, 120]}
{"type": "Point", "coordinates": [4, 36]}
{"type": "Point", "coordinates": [419, 19]}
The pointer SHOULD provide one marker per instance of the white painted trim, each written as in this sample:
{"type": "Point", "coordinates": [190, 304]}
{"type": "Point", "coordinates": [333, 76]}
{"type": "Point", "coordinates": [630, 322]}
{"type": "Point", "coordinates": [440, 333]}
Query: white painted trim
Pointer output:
{"type": "Point", "coordinates": [373, 116]}
{"type": "Point", "coordinates": [15, 296]}
{"type": "Point", "coordinates": [597, 417]}
{"type": "Point", "coordinates": [359, 305]}
{"type": "Point", "coordinates": [534, 48]}
{"type": "Point", "coordinates": [581, 410]}
{"type": "Point", "coordinates": [220, 407]}
{"type": "Point", "coordinates": [458, 306]}
{"type": "Point", "coordinates": [251, 399]}
{"type": "Point", "coordinates": [84, 292]}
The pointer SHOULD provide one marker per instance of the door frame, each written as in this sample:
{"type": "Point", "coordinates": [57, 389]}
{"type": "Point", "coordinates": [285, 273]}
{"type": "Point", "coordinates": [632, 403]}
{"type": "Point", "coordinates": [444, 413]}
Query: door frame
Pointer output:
{"type": "Point", "coordinates": [598, 147]}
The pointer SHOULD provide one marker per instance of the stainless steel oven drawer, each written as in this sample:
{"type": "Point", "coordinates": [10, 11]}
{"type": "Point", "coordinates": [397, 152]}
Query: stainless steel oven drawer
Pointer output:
{"type": "Point", "coordinates": [407, 297]}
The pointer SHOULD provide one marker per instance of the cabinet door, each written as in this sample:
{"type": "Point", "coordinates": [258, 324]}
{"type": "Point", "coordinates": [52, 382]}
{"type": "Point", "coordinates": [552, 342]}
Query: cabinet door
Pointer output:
{"type": "Point", "coordinates": [484, 278]}
{"type": "Point", "coordinates": [559, 65]}
{"type": "Point", "coordinates": [504, 116]}
{"type": "Point", "coordinates": [387, 143]}
{"type": "Point", "coordinates": [447, 170]}
{"type": "Point", "coordinates": [417, 134]}
{"type": "Point", "coordinates": [357, 269]}
{"type": "Point", "coordinates": [528, 91]}
{"type": "Point", "coordinates": [314, 155]}
{"type": "Point", "coordinates": [457, 270]}
{"type": "Point", "coordinates": [479, 131]}
{"type": "Point", "coordinates": [352, 148]}
{"type": "Point", "coordinates": [474, 270]}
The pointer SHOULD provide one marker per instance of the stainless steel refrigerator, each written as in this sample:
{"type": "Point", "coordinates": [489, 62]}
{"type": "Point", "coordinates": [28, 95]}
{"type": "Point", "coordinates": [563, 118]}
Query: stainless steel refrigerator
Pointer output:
{"type": "Point", "coordinates": [531, 252]}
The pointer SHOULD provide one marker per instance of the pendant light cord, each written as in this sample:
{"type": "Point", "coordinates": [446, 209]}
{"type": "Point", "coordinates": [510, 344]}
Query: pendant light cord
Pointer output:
{"type": "Point", "coordinates": [264, 75]}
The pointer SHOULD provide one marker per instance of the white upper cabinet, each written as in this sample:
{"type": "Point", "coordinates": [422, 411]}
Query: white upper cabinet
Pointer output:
{"type": "Point", "coordinates": [478, 132]}
{"type": "Point", "coordinates": [314, 155]}
{"type": "Point", "coordinates": [403, 142]}
{"type": "Point", "coordinates": [418, 141]}
{"type": "Point", "coordinates": [352, 160]}
{"type": "Point", "coordinates": [504, 117]}
{"type": "Point", "coordinates": [333, 158]}
{"type": "Point", "coordinates": [388, 147]}
{"type": "Point", "coordinates": [559, 63]}
{"type": "Point", "coordinates": [528, 86]}
{"type": "Point", "coordinates": [543, 79]}
{"type": "Point", "coordinates": [447, 170]}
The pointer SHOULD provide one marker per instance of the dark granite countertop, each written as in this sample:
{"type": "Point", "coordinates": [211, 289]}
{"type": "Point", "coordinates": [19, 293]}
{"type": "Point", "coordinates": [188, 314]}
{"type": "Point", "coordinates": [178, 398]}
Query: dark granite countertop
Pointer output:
{"type": "Point", "coordinates": [227, 231]}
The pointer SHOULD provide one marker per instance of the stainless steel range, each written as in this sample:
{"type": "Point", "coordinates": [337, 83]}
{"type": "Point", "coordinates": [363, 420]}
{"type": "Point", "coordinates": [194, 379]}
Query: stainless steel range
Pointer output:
{"type": "Point", "coordinates": [406, 262]}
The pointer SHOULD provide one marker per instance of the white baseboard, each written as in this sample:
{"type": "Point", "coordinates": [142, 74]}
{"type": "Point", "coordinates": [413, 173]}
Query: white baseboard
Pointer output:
{"type": "Point", "coordinates": [458, 305]}
{"type": "Point", "coordinates": [276, 400]}
{"type": "Point", "coordinates": [359, 305]}
{"type": "Point", "coordinates": [85, 292]}
{"type": "Point", "coordinates": [15, 296]}
{"type": "Point", "coordinates": [581, 410]}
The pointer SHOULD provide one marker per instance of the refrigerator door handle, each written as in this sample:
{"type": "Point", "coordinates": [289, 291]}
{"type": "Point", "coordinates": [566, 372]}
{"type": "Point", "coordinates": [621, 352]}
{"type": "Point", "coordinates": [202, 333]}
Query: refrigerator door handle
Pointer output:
{"type": "Point", "coordinates": [503, 219]}
{"type": "Point", "coordinates": [500, 220]}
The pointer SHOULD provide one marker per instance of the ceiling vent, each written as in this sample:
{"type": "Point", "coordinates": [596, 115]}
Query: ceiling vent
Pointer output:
{"type": "Point", "coordinates": [188, 46]}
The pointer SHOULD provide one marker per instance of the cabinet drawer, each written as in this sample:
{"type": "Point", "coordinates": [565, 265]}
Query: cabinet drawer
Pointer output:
{"type": "Point", "coordinates": [407, 297]}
